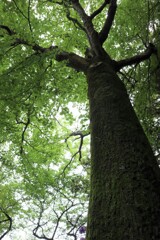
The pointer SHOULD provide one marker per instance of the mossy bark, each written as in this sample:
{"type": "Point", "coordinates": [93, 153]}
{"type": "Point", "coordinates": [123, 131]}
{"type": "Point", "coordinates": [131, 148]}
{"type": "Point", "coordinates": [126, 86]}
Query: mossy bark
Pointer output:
{"type": "Point", "coordinates": [125, 191]}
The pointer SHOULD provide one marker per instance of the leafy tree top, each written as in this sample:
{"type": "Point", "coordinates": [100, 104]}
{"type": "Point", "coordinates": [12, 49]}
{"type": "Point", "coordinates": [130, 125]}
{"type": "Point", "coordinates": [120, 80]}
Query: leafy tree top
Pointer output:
{"type": "Point", "coordinates": [41, 43]}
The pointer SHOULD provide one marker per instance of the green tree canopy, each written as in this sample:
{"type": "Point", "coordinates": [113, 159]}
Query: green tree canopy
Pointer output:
{"type": "Point", "coordinates": [44, 124]}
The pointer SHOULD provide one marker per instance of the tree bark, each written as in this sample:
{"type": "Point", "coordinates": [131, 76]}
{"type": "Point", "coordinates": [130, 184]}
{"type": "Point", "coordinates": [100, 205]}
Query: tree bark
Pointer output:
{"type": "Point", "coordinates": [125, 195]}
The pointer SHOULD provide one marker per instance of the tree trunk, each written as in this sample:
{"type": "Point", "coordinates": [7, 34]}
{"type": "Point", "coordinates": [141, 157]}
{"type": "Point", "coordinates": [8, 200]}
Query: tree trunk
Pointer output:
{"type": "Point", "coordinates": [125, 194]}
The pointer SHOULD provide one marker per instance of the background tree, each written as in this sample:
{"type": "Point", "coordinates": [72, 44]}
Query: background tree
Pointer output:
{"type": "Point", "coordinates": [38, 88]}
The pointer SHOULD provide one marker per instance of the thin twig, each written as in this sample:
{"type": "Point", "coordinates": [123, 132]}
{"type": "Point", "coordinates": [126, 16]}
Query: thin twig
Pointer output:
{"type": "Point", "coordinates": [29, 21]}
{"type": "Point", "coordinates": [20, 10]}
{"type": "Point", "coordinates": [75, 21]}
{"type": "Point", "coordinates": [79, 151]}
{"type": "Point", "coordinates": [100, 9]}
{"type": "Point", "coordinates": [9, 219]}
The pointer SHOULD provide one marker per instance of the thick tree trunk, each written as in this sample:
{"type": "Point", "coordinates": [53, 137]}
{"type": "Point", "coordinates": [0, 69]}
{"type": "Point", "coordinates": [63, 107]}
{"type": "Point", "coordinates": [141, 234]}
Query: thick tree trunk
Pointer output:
{"type": "Point", "coordinates": [125, 191]}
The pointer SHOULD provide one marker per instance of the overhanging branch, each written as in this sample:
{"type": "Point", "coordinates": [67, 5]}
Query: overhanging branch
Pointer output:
{"type": "Point", "coordinates": [103, 35]}
{"type": "Point", "coordinates": [73, 60]}
{"type": "Point", "coordinates": [136, 59]}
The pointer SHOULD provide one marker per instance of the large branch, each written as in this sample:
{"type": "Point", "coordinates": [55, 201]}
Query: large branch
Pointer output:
{"type": "Point", "coordinates": [72, 60]}
{"type": "Point", "coordinates": [90, 31]}
{"type": "Point", "coordinates": [136, 59]}
{"type": "Point", "coordinates": [103, 35]}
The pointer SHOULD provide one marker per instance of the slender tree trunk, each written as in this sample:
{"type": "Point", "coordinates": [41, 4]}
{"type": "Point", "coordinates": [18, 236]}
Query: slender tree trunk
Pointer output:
{"type": "Point", "coordinates": [125, 193]}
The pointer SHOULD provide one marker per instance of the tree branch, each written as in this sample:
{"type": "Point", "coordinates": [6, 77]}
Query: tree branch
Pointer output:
{"type": "Point", "coordinates": [28, 13]}
{"type": "Point", "coordinates": [40, 226]}
{"type": "Point", "coordinates": [20, 10]}
{"type": "Point", "coordinates": [9, 31]}
{"type": "Point", "coordinates": [100, 9]}
{"type": "Point", "coordinates": [74, 226]}
{"type": "Point", "coordinates": [90, 31]}
{"type": "Point", "coordinates": [79, 151]}
{"type": "Point", "coordinates": [29, 21]}
{"type": "Point", "coordinates": [136, 59]}
{"type": "Point", "coordinates": [73, 60]}
{"type": "Point", "coordinates": [59, 217]}
{"type": "Point", "coordinates": [103, 35]}
{"type": "Point", "coordinates": [23, 134]}
{"type": "Point", "coordinates": [74, 20]}
{"type": "Point", "coordinates": [8, 219]}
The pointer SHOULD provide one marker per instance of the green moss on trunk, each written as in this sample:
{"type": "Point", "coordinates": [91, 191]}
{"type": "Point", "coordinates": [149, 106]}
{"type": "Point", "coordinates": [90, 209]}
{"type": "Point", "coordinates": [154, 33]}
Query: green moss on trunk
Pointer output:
{"type": "Point", "coordinates": [125, 194]}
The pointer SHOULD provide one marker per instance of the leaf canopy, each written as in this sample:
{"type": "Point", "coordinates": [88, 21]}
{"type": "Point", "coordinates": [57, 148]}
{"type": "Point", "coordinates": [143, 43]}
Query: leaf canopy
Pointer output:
{"type": "Point", "coordinates": [44, 107]}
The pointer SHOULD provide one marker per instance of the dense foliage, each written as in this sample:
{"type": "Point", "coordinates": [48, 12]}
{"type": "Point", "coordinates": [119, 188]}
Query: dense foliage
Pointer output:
{"type": "Point", "coordinates": [44, 124]}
